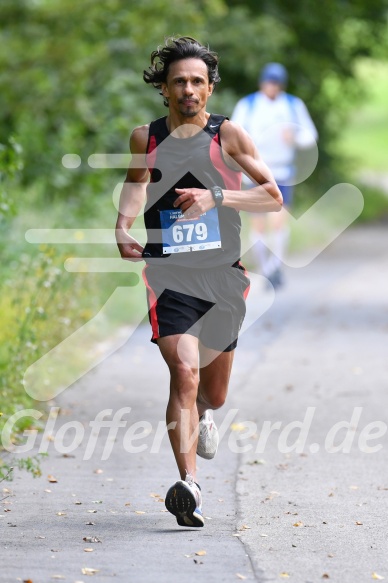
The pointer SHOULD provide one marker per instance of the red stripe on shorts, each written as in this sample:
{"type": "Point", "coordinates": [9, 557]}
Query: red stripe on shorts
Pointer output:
{"type": "Point", "coordinates": [152, 303]}
{"type": "Point", "coordinates": [247, 275]}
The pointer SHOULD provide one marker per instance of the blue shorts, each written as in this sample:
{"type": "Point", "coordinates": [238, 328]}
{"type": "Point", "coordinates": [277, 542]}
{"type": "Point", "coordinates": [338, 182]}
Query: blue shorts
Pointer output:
{"type": "Point", "coordinates": [286, 190]}
{"type": "Point", "coordinates": [287, 193]}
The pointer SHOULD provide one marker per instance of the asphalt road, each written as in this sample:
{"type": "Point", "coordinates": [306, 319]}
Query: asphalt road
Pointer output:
{"type": "Point", "coordinates": [303, 502]}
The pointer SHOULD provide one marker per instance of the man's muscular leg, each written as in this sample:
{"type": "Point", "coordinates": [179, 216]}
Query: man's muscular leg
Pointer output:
{"type": "Point", "coordinates": [182, 407]}
{"type": "Point", "coordinates": [214, 375]}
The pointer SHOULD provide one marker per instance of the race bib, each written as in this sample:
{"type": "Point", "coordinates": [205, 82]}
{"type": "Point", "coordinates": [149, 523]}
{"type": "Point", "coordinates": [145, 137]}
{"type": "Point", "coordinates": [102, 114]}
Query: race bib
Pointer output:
{"type": "Point", "coordinates": [182, 235]}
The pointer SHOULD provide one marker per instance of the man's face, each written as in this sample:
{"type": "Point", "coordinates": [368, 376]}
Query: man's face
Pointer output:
{"type": "Point", "coordinates": [271, 89]}
{"type": "Point", "coordinates": [187, 87]}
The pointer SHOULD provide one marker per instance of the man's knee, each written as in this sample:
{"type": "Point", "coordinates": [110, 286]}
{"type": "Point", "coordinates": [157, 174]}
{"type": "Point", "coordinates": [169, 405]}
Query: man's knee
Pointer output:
{"type": "Point", "coordinates": [214, 400]}
{"type": "Point", "coordinates": [184, 380]}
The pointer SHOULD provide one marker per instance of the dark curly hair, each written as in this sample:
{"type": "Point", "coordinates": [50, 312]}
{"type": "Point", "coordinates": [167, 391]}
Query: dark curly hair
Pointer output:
{"type": "Point", "coordinates": [176, 49]}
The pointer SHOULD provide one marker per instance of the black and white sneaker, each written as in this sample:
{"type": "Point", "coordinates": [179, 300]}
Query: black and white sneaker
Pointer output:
{"type": "Point", "coordinates": [184, 500]}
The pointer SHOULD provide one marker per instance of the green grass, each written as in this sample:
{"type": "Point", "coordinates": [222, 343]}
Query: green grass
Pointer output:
{"type": "Point", "coordinates": [365, 137]}
{"type": "Point", "coordinates": [41, 303]}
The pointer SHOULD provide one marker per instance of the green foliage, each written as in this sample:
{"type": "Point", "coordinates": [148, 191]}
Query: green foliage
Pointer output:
{"type": "Point", "coordinates": [375, 204]}
{"type": "Point", "coordinates": [320, 44]}
{"type": "Point", "coordinates": [35, 307]}
{"type": "Point", "coordinates": [77, 80]}
{"type": "Point", "coordinates": [11, 165]}
{"type": "Point", "coordinates": [364, 139]}
{"type": "Point", "coordinates": [29, 464]}
{"type": "Point", "coordinates": [74, 69]}
{"type": "Point", "coordinates": [41, 303]}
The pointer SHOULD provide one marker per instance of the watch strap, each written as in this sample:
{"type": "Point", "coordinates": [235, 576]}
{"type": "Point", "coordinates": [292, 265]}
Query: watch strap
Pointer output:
{"type": "Point", "coordinates": [217, 195]}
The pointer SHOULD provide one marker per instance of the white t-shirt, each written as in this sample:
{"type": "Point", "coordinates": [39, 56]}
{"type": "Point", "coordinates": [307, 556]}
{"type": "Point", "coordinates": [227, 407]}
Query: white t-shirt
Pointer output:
{"type": "Point", "coordinates": [268, 121]}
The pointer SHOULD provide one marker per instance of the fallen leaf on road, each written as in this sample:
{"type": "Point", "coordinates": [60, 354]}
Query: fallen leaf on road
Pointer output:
{"type": "Point", "coordinates": [48, 491]}
{"type": "Point", "coordinates": [285, 575]}
{"type": "Point", "coordinates": [353, 487]}
{"type": "Point", "coordinates": [376, 576]}
{"type": "Point", "coordinates": [92, 511]}
{"type": "Point", "coordinates": [238, 427]}
{"type": "Point", "coordinates": [91, 539]}
{"type": "Point", "coordinates": [88, 550]}
{"type": "Point", "coordinates": [96, 501]}
{"type": "Point", "coordinates": [52, 479]}
{"type": "Point", "coordinates": [127, 504]}
{"type": "Point", "coordinates": [40, 537]}
{"type": "Point", "coordinates": [239, 576]}
{"type": "Point", "coordinates": [325, 576]}
{"type": "Point", "coordinates": [89, 571]}
{"type": "Point", "coordinates": [77, 502]}
{"type": "Point", "coordinates": [264, 535]}
{"type": "Point", "coordinates": [61, 513]}
{"type": "Point", "coordinates": [272, 495]}
{"type": "Point", "coordinates": [244, 527]}
{"type": "Point", "coordinates": [139, 512]}
{"type": "Point", "coordinates": [359, 523]}
{"type": "Point", "coordinates": [256, 463]}
{"type": "Point", "coordinates": [90, 523]}
{"type": "Point", "coordinates": [298, 523]}
{"type": "Point", "coordinates": [236, 534]}
{"type": "Point", "coordinates": [98, 471]}
{"type": "Point", "coordinates": [200, 553]}
{"type": "Point", "coordinates": [27, 581]}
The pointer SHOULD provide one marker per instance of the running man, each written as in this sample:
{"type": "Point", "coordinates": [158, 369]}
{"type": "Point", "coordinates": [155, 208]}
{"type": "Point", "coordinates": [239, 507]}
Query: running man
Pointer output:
{"type": "Point", "coordinates": [196, 285]}
{"type": "Point", "coordinates": [279, 124]}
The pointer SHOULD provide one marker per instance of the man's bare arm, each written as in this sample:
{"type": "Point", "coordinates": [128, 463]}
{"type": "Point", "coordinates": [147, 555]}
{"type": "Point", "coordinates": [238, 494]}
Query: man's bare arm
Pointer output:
{"type": "Point", "coordinates": [240, 154]}
{"type": "Point", "coordinates": [132, 197]}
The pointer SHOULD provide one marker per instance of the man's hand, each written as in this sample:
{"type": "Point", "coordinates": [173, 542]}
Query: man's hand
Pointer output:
{"type": "Point", "coordinates": [129, 248]}
{"type": "Point", "coordinates": [193, 202]}
{"type": "Point", "coordinates": [288, 136]}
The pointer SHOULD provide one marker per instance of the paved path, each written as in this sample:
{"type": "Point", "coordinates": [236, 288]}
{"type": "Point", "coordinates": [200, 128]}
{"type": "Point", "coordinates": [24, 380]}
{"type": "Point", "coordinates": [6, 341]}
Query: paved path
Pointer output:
{"type": "Point", "coordinates": [304, 515]}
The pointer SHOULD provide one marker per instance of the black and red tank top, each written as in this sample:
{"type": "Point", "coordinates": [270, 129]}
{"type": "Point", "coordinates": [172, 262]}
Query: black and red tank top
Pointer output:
{"type": "Point", "coordinates": [194, 162]}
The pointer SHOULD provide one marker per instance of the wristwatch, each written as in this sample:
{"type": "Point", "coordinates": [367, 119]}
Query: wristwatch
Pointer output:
{"type": "Point", "coordinates": [217, 194]}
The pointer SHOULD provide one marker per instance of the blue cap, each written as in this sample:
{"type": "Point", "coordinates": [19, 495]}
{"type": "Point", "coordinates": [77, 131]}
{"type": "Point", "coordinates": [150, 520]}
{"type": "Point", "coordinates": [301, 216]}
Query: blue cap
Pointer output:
{"type": "Point", "coordinates": [274, 72]}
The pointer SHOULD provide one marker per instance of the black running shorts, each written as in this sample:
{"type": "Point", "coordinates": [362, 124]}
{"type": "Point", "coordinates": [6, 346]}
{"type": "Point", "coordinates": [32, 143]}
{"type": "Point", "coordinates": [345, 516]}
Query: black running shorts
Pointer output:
{"type": "Point", "coordinates": [206, 303]}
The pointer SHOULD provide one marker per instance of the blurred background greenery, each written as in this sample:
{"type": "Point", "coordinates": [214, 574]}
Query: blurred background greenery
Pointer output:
{"type": "Point", "coordinates": [71, 82]}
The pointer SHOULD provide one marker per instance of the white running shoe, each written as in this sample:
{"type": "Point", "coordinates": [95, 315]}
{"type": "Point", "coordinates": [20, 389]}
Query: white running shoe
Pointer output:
{"type": "Point", "coordinates": [184, 500]}
{"type": "Point", "coordinates": [208, 436]}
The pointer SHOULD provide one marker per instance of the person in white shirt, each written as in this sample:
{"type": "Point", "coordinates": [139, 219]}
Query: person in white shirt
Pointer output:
{"type": "Point", "coordinates": [279, 124]}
